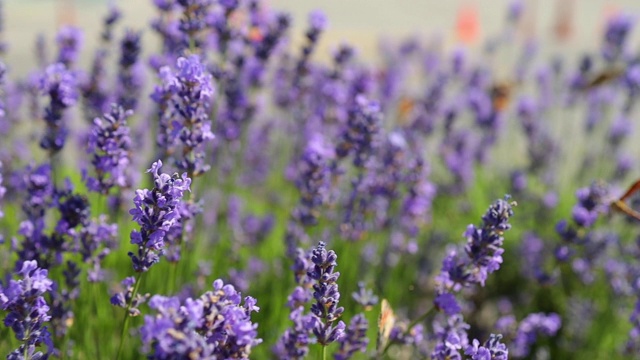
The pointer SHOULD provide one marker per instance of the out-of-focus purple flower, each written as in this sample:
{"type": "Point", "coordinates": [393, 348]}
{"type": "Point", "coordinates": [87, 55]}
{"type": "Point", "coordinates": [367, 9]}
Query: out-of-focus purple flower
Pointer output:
{"type": "Point", "coordinates": [365, 297]}
{"type": "Point", "coordinates": [172, 333]}
{"type": "Point", "coordinates": [530, 328]}
{"type": "Point", "coordinates": [447, 302]}
{"type": "Point", "coordinates": [294, 343]}
{"type": "Point", "coordinates": [185, 99]}
{"type": "Point", "coordinates": [354, 339]}
{"type": "Point", "coordinates": [451, 337]}
{"type": "Point", "coordinates": [492, 349]}
{"type": "Point", "coordinates": [60, 84]}
{"type": "Point", "coordinates": [363, 125]}
{"type": "Point", "coordinates": [156, 212]}
{"type": "Point", "coordinates": [69, 40]}
{"type": "Point", "coordinates": [615, 35]}
{"type": "Point", "coordinates": [28, 311]}
{"type": "Point", "coordinates": [95, 242]}
{"type": "Point", "coordinates": [130, 71]}
{"type": "Point", "coordinates": [592, 202]}
{"type": "Point", "coordinates": [94, 89]}
{"type": "Point", "coordinates": [38, 186]}
{"type": "Point", "coordinates": [327, 296]}
{"type": "Point", "coordinates": [126, 299]}
{"type": "Point", "coordinates": [108, 22]}
{"type": "Point", "coordinates": [110, 143]}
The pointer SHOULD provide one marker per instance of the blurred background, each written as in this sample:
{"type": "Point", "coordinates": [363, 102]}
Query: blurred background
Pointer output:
{"type": "Point", "coordinates": [566, 26]}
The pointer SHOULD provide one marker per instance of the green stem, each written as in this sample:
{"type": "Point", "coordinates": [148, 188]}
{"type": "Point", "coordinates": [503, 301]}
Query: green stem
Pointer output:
{"type": "Point", "coordinates": [126, 314]}
{"type": "Point", "coordinates": [323, 352]}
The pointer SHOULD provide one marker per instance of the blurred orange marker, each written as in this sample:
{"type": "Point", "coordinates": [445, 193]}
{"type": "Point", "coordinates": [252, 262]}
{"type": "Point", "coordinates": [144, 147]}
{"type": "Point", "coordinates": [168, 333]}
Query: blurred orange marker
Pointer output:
{"type": "Point", "coordinates": [563, 26]}
{"type": "Point", "coordinates": [468, 25]}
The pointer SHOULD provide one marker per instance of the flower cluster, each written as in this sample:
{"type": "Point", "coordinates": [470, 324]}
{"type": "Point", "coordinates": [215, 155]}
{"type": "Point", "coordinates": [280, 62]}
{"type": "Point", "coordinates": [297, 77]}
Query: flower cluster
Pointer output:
{"type": "Point", "coordinates": [216, 325]}
{"type": "Point", "coordinates": [327, 296]}
{"type": "Point", "coordinates": [156, 212]}
{"type": "Point", "coordinates": [28, 311]}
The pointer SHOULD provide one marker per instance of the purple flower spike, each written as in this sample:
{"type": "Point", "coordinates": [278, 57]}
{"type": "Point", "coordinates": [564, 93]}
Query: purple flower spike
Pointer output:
{"type": "Point", "coordinates": [185, 99]}
{"type": "Point", "coordinates": [28, 310]}
{"type": "Point", "coordinates": [156, 211]}
{"type": "Point", "coordinates": [69, 41]}
{"type": "Point", "coordinates": [484, 250]}
{"type": "Point", "coordinates": [60, 84]}
{"type": "Point", "coordinates": [109, 142]}
{"type": "Point", "coordinates": [354, 340]}
{"type": "Point", "coordinates": [327, 296]}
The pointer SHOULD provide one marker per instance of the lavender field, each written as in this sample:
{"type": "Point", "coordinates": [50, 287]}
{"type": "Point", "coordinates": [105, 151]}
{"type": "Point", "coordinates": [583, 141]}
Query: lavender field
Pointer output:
{"type": "Point", "coordinates": [223, 179]}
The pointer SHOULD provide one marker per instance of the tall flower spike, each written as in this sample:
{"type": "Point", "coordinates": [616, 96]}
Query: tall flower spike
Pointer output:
{"type": "Point", "coordinates": [110, 143]}
{"type": "Point", "coordinates": [28, 311]}
{"type": "Point", "coordinates": [130, 71]}
{"type": "Point", "coordinates": [156, 212]}
{"type": "Point", "coordinates": [69, 41]}
{"type": "Point", "coordinates": [326, 309]}
{"type": "Point", "coordinates": [185, 99]}
{"type": "Point", "coordinates": [60, 84]}
{"type": "Point", "coordinates": [484, 250]}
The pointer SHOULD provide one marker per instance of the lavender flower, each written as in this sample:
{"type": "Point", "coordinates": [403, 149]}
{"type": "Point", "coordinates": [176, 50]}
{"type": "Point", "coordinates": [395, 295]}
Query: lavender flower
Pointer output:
{"type": "Point", "coordinates": [129, 298]}
{"type": "Point", "coordinates": [484, 250]}
{"type": "Point", "coordinates": [184, 98]}
{"type": "Point", "coordinates": [529, 329]}
{"type": "Point", "coordinates": [95, 242]}
{"type": "Point", "coordinates": [365, 297]}
{"type": "Point", "coordinates": [69, 41]}
{"type": "Point", "coordinates": [38, 185]}
{"type": "Point", "coordinates": [28, 311]}
{"type": "Point", "coordinates": [109, 22]}
{"type": "Point", "coordinates": [617, 29]}
{"type": "Point", "coordinates": [109, 142]}
{"type": "Point", "coordinates": [60, 84]}
{"type": "Point", "coordinates": [227, 323]}
{"type": "Point", "coordinates": [130, 79]}
{"type": "Point", "coordinates": [156, 212]}
{"type": "Point", "coordinates": [354, 339]}
{"type": "Point", "coordinates": [327, 296]}
{"type": "Point", "coordinates": [492, 349]}
{"type": "Point", "coordinates": [294, 343]}
{"type": "Point", "coordinates": [360, 135]}
{"type": "Point", "coordinates": [451, 337]}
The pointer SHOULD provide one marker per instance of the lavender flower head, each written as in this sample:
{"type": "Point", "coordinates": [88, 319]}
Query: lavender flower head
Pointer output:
{"type": "Point", "coordinates": [484, 250]}
{"type": "Point", "coordinates": [156, 212]}
{"type": "Point", "coordinates": [109, 142]}
{"type": "Point", "coordinates": [28, 310]}
{"type": "Point", "coordinates": [69, 41]}
{"type": "Point", "coordinates": [492, 349]}
{"type": "Point", "coordinates": [214, 326]}
{"type": "Point", "coordinates": [185, 99]}
{"type": "Point", "coordinates": [60, 84]}
{"type": "Point", "coordinates": [354, 340]}
{"type": "Point", "coordinates": [530, 328]}
{"type": "Point", "coordinates": [327, 296]}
